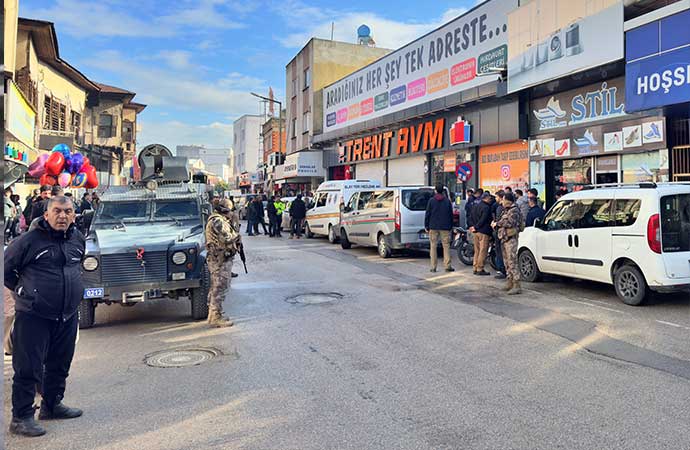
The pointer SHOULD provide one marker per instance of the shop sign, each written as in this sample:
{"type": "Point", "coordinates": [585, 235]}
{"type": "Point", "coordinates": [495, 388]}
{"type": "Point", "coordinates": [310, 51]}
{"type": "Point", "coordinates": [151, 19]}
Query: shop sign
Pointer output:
{"type": "Point", "coordinates": [607, 163]}
{"type": "Point", "coordinates": [630, 135]}
{"type": "Point", "coordinates": [21, 118]}
{"type": "Point", "coordinates": [303, 164]}
{"type": "Point", "coordinates": [436, 65]}
{"type": "Point", "coordinates": [657, 56]}
{"type": "Point", "coordinates": [449, 162]}
{"type": "Point", "coordinates": [244, 180]}
{"type": "Point", "coordinates": [553, 38]}
{"type": "Point", "coordinates": [504, 165]}
{"type": "Point", "coordinates": [593, 103]}
{"type": "Point", "coordinates": [460, 132]}
{"type": "Point", "coordinates": [416, 138]}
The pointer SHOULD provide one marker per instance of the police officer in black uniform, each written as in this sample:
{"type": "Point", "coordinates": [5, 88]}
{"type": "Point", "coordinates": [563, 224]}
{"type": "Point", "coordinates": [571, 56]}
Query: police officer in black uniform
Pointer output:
{"type": "Point", "coordinates": [43, 268]}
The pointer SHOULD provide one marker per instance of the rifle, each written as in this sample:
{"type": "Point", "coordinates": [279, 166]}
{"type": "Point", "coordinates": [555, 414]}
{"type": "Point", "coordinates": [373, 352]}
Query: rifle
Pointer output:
{"type": "Point", "coordinates": [243, 257]}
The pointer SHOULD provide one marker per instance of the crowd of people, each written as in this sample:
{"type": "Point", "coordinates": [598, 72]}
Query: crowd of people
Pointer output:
{"type": "Point", "coordinates": [275, 208]}
{"type": "Point", "coordinates": [19, 218]}
{"type": "Point", "coordinates": [497, 219]}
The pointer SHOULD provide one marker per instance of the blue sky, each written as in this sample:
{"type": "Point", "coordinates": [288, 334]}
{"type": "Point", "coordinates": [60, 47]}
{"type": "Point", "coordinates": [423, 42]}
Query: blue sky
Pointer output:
{"type": "Point", "coordinates": [194, 62]}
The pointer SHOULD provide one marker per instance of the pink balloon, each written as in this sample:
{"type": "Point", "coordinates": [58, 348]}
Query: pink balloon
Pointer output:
{"type": "Point", "coordinates": [38, 167]}
{"type": "Point", "coordinates": [64, 179]}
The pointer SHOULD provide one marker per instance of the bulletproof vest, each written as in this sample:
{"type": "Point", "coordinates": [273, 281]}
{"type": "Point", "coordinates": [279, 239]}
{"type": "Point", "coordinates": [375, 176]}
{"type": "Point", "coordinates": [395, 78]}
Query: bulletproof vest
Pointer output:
{"type": "Point", "coordinates": [221, 235]}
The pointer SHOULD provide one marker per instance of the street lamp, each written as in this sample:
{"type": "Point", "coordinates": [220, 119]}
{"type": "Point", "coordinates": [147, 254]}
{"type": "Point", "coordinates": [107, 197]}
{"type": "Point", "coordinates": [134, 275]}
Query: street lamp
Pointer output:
{"type": "Point", "coordinates": [280, 118]}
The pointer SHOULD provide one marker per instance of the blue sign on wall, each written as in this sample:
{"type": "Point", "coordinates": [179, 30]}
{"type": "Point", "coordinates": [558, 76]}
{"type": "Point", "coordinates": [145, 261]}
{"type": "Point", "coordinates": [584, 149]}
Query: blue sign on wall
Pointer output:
{"type": "Point", "coordinates": [657, 71]}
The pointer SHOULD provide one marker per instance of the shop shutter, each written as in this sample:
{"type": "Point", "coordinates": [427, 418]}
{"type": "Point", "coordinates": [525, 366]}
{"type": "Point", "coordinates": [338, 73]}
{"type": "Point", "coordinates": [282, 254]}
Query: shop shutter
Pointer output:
{"type": "Point", "coordinates": [406, 171]}
{"type": "Point", "coordinates": [374, 171]}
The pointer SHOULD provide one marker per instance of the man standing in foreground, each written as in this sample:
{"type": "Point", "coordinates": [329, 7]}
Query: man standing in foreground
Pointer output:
{"type": "Point", "coordinates": [481, 227]}
{"type": "Point", "coordinates": [43, 268]}
{"type": "Point", "coordinates": [298, 211]}
{"type": "Point", "coordinates": [223, 241]}
{"type": "Point", "coordinates": [438, 222]}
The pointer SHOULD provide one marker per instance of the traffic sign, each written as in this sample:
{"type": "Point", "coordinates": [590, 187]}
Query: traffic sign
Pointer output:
{"type": "Point", "coordinates": [464, 171]}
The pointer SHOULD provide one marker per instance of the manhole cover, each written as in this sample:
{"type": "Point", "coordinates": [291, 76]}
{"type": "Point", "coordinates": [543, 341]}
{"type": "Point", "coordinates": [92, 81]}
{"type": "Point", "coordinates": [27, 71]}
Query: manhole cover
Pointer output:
{"type": "Point", "coordinates": [314, 298]}
{"type": "Point", "coordinates": [181, 357]}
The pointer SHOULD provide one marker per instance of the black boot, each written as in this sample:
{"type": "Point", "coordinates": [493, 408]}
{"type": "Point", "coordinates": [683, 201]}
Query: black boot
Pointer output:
{"type": "Point", "coordinates": [59, 411]}
{"type": "Point", "coordinates": [26, 427]}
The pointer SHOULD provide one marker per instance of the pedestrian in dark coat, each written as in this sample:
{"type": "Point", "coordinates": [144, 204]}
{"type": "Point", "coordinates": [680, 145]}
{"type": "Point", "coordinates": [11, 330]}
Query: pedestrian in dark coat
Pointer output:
{"type": "Point", "coordinates": [272, 217]}
{"type": "Point", "coordinates": [298, 211]}
{"type": "Point", "coordinates": [251, 218]}
{"type": "Point", "coordinates": [481, 227]}
{"type": "Point", "coordinates": [43, 269]}
{"type": "Point", "coordinates": [535, 212]}
{"type": "Point", "coordinates": [438, 221]}
{"type": "Point", "coordinates": [39, 205]}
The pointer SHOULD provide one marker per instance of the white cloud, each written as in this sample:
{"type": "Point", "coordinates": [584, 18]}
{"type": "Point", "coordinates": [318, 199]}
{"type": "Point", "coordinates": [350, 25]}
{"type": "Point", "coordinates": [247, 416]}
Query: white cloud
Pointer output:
{"type": "Point", "coordinates": [182, 89]}
{"type": "Point", "coordinates": [172, 133]}
{"type": "Point", "coordinates": [177, 59]}
{"type": "Point", "coordinates": [89, 18]}
{"type": "Point", "coordinates": [386, 32]}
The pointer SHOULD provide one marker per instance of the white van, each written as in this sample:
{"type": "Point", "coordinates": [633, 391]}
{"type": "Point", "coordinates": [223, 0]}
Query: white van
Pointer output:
{"type": "Point", "coordinates": [323, 218]}
{"type": "Point", "coordinates": [389, 218]}
{"type": "Point", "coordinates": [636, 237]}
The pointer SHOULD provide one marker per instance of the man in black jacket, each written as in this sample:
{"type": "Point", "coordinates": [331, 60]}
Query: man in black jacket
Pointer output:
{"type": "Point", "coordinates": [298, 211]}
{"type": "Point", "coordinates": [438, 222]}
{"type": "Point", "coordinates": [273, 226]}
{"type": "Point", "coordinates": [39, 205]}
{"type": "Point", "coordinates": [481, 220]}
{"type": "Point", "coordinates": [43, 268]}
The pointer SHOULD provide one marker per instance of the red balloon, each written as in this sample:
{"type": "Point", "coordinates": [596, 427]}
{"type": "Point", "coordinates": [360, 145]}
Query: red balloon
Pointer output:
{"type": "Point", "coordinates": [47, 179]}
{"type": "Point", "coordinates": [55, 163]}
{"type": "Point", "coordinates": [91, 177]}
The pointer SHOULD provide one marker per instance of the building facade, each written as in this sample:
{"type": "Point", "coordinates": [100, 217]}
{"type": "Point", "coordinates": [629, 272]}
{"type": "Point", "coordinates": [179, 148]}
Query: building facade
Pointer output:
{"type": "Point", "coordinates": [248, 152]}
{"type": "Point", "coordinates": [319, 63]}
{"type": "Point", "coordinates": [216, 160]}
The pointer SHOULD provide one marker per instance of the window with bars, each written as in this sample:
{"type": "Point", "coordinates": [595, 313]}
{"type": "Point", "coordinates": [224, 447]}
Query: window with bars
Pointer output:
{"type": "Point", "coordinates": [54, 115]}
{"type": "Point", "coordinates": [75, 123]}
{"type": "Point", "coordinates": [105, 126]}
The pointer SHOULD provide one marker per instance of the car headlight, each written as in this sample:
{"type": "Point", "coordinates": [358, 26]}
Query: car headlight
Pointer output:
{"type": "Point", "coordinates": [90, 263]}
{"type": "Point", "coordinates": [179, 258]}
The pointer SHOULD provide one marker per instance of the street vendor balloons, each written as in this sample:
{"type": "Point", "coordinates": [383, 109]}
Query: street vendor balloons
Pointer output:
{"type": "Point", "coordinates": [38, 167]}
{"type": "Point", "coordinates": [47, 180]}
{"type": "Point", "coordinates": [64, 179]}
{"type": "Point", "coordinates": [76, 163]}
{"type": "Point", "coordinates": [55, 163]}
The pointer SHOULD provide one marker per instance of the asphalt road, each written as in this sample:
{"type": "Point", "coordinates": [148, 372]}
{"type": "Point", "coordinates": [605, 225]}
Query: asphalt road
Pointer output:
{"type": "Point", "coordinates": [405, 359]}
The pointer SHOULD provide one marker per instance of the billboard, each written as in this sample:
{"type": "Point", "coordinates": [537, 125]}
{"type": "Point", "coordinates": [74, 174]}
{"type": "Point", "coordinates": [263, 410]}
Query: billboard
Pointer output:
{"type": "Point", "coordinates": [445, 61]}
{"type": "Point", "coordinates": [657, 63]}
{"type": "Point", "coordinates": [21, 118]}
{"type": "Point", "coordinates": [548, 39]}
{"type": "Point", "coordinates": [504, 165]}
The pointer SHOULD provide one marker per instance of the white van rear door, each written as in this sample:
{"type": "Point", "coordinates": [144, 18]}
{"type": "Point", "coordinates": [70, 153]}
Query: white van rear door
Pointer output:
{"type": "Point", "coordinates": [675, 235]}
{"type": "Point", "coordinates": [412, 206]}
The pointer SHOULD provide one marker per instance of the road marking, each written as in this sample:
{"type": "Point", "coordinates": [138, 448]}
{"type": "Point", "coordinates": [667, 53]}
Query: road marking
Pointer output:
{"type": "Point", "coordinates": [597, 306]}
{"type": "Point", "coordinates": [675, 325]}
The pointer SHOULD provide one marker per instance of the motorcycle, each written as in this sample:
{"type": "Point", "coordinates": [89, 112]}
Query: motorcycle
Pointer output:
{"type": "Point", "coordinates": [463, 242]}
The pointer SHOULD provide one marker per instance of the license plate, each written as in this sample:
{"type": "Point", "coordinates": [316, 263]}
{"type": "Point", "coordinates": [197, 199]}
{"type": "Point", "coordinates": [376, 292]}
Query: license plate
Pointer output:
{"type": "Point", "coordinates": [423, 236]}
{"type": "Point", "coordinates": [94, 293]}
{"type": "Point", "coordinates": [178, 276]}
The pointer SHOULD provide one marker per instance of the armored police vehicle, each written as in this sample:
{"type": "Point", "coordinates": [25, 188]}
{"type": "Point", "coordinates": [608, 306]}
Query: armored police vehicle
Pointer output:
{"type": "Point", "coordinates": [146, 240]}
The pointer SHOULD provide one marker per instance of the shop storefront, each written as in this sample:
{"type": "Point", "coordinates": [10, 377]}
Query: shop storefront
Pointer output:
{"type": "Point", "coordinates": [442, 148]}
{"type": "Point", "coordinates": [657, 75]}
{"type": "Point", "coordinates": [585, 136]}
{"type": "Point", "coordinates": [504, 165]}
{"type": "Point", "coordinates": [19, 150]}
{"type": "Point", "coordinates": [301, 173]}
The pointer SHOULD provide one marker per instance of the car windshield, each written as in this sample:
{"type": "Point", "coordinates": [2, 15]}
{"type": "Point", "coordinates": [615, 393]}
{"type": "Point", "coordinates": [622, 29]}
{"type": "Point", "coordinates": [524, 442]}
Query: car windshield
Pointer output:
{"type": "Point", "coordinates": [675, 223]}
{"type": "Point", "coordinates": [417, 199]}
{"type": "Point", "coordinates": [176, 209]}
{"type": "Point", "coordinates": [121, 211]}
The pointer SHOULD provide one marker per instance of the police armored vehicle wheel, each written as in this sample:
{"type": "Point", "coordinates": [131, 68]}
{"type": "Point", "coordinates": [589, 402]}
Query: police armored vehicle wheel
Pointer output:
{"type": "Point", "coordinates": [199, 296]}
{"type": "Point", "coordinates": [87, 314]}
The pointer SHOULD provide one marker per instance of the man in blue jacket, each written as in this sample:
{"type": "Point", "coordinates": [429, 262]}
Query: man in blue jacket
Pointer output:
{"type": "Point", "coordinates": [438, 222]}
{"type": "Point", "coordinates": [43, 268]}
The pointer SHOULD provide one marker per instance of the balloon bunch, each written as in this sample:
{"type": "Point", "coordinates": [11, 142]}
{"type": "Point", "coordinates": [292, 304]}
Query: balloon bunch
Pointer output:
{"type": "Point", "coordinates": [65, 168]}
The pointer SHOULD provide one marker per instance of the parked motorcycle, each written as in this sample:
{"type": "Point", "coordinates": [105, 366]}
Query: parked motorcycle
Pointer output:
{"type": "Point", "coordinates": [463, 241]}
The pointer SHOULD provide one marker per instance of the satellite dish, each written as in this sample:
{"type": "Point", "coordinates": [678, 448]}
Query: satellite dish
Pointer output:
{"type": "Point", "coordinates": [363, 31]}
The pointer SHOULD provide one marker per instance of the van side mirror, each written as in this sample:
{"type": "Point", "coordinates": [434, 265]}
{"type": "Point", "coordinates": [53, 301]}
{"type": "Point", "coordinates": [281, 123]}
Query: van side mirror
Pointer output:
{"type": "Point", "coordinates": [347, 209]}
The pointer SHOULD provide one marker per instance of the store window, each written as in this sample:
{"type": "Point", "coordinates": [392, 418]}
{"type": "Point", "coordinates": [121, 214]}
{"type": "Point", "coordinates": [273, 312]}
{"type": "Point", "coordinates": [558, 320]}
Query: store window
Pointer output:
{"type": "Point", "coordinates": [450, 179]}
{"type": "Point", "coordinates": [573, 174]}
{"type": "Point", "coordinates": [648, 166]}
